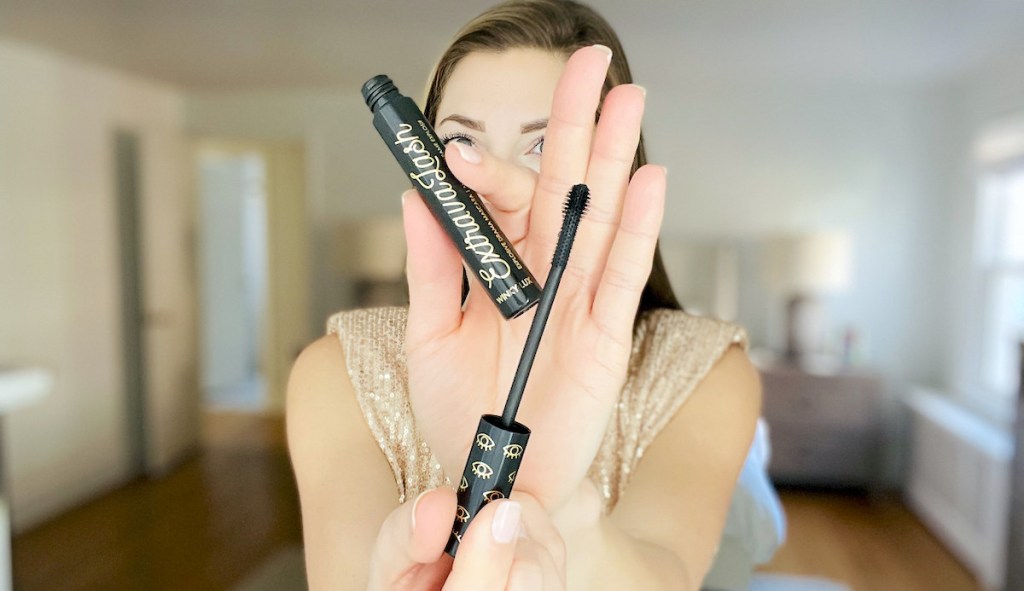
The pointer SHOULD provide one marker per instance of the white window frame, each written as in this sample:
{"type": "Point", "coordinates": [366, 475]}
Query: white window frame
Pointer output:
{"type": "Point", "coordinates": [992, 268]}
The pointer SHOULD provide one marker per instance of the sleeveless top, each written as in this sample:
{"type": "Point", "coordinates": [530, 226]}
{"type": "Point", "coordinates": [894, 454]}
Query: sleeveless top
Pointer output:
{"type": "Point", "coordinates": [672, 352]}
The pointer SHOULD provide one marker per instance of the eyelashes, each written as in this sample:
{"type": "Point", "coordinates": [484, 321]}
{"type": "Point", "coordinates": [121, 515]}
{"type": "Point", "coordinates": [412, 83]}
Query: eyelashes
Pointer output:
{"type": "Point", "coordinates": [455, 135]}
{"type": "Point", "coordinates": [536, 148]}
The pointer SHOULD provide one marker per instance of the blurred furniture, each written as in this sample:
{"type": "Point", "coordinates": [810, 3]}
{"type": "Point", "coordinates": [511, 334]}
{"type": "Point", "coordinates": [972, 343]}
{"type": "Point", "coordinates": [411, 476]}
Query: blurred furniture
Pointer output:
{"type": "Point", "coordinates": [801, 268]}
{"type": "Point", "coordinates": [957, 480]}
{"type": "Point", "coordinates": [19, 387]}
{"type": "Point", "coordinates": [1015, 544]}
{"type": "Point", "coordinates": [825, 425]}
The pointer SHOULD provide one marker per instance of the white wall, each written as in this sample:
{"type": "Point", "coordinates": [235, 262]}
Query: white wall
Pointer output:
{"type": "Point", "coordinates": [60, 290]}
{"type": "Point", "coordinates": [750, 160]}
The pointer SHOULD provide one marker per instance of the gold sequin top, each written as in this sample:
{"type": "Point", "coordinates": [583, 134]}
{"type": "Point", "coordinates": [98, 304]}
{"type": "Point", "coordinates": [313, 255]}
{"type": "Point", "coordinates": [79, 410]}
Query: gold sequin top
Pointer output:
{"type": "Point", "coordinates": [672, 352]}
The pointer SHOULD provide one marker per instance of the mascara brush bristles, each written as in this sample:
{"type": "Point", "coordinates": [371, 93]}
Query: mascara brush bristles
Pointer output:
{"type": "Point", "coordinates": [575, 206]}
{"type": "Point", "coordinates": [573, 209]}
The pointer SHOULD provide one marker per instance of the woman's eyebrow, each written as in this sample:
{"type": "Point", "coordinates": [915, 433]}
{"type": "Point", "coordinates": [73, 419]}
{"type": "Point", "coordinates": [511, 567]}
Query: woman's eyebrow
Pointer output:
{"type": "Point", "coordinates": [470, 123]}
{"type": "Point", "coordinates": [533, 126]}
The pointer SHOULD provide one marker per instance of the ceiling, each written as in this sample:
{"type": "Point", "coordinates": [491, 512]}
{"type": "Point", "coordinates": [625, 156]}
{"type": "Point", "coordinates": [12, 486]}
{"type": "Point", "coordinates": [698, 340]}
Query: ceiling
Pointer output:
{"type": "Point", "coordinates": [242, 44]}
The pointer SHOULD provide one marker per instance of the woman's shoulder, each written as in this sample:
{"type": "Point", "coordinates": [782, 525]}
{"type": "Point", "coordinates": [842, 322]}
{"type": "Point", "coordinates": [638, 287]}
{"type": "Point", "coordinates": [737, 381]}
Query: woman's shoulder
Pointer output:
{"type": "Point", "coordinates": [683, 319]}
{"type": "Point", "coordinates": [369, 322]}
{"type": "Point", "coordinates": [681, 335]}
{"type": "Point", "coordinates": [328, 442]}
{"type": "Point", "coordinates": [331, 367]}
{"type": "Point", "coordinates": [675, 352]}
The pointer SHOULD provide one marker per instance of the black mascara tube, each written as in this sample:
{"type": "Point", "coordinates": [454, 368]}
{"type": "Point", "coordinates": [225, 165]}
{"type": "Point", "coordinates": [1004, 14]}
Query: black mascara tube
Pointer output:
{"type": "Point", "coordinates": [487, 252]}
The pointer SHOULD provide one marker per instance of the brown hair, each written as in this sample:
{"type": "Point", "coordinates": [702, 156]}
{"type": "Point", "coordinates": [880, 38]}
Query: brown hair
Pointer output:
{"type": "Point", "coordinates": [559, 26]}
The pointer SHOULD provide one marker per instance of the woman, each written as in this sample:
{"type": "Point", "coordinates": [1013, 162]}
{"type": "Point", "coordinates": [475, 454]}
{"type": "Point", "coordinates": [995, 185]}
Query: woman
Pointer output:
{"type": "Point", "coordinates": [515, 96]}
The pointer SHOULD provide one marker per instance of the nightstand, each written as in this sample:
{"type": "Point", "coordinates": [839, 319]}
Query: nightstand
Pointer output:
{"type": "Point", "coordinates": [825, 425]}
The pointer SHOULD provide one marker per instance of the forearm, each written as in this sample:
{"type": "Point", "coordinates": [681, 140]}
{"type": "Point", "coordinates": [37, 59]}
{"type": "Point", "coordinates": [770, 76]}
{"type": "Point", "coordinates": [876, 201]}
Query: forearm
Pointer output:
{"type": "Point", "coordinates": [603, 556]}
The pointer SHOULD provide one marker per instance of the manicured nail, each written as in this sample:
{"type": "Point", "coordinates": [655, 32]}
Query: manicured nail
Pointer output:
{"type": "Point", "coordinates": [506, 522]}
{"type": "Point", "coordinates": [403, 205]}
{"type": "Point", "coordinates": [665, 168]}
{"type": "Point", "coordinates": [468, 153]}
{"type": "Point", "coordinates": [420, 496]}
{"type": "Point", "coordinates": [642, 89]}
{"type": "Point", "coordinates": [606, 50]}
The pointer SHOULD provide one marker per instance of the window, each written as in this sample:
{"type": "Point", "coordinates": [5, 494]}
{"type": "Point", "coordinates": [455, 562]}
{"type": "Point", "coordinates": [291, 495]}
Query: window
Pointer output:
{"type": "Point", "coordinates": [1001, 255]}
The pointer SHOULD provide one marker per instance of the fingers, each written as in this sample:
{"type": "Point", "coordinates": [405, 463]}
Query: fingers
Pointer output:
{"type": "Point", "coordinates": [487, 549]}
{"type": "Point", "coordinates": [611, 161]}
{"type": "Point", "coordinates": [632, 254]}
{"type": "Point", "coordinates": [566, 144]}
{"type": "Point", "coordinates": [414, 533]}
{"type": "Point", "coordinates": [542, 532]}
{"type": "Point", "coordinates": [506, 187]}
{"type": "Point", "coordinates": [434, 272]}
{"type": "Point", "coordinates": [534, 569]}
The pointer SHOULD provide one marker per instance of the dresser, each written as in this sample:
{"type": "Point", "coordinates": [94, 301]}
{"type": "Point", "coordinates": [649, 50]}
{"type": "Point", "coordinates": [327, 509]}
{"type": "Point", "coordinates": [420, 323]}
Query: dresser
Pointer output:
{"type": "Point", "coordinates": [825, 426]}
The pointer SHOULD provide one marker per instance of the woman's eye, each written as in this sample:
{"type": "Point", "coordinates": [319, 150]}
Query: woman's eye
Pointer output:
{"type": "Point", "coordinates": [538, 148]}
{"type": "Point", "coordinates": [460, 137]}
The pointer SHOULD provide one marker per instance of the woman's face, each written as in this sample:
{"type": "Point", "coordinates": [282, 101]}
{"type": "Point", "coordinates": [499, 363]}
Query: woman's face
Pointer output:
{"type": "Point", "coordinates": [499, 103]}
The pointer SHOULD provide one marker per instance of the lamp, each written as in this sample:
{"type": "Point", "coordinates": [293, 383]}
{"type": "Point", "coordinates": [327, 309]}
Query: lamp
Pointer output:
{"type": "Point", "coordinates": [371, 253]}
{"type": "Point", "coordinates": [802, 267]}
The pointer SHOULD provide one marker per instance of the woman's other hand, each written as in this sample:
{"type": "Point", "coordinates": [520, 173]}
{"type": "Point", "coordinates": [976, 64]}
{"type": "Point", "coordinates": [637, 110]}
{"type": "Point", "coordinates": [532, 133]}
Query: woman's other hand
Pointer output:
{"type": "Point", "coordinates": [511, 545]}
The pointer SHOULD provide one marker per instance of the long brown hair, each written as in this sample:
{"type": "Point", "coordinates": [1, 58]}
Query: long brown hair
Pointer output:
{"type": "Point", "coordinates": [562, 27]}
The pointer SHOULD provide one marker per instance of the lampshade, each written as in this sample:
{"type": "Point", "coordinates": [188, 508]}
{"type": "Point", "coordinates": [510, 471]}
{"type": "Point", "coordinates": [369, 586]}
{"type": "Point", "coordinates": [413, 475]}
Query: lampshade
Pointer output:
{"type": "Point", "coordinates": [372, 248]}
{"type": "Point", "coordinates": [809, 263]}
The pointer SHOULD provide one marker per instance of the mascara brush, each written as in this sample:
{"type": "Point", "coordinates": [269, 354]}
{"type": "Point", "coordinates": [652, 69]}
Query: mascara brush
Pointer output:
{"type": "Point", "coordinates": [497, 449]}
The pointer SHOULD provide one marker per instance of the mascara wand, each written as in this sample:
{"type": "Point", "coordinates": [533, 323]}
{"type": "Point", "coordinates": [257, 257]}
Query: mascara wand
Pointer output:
{"type": "Point", "coordinates": [498, 447]}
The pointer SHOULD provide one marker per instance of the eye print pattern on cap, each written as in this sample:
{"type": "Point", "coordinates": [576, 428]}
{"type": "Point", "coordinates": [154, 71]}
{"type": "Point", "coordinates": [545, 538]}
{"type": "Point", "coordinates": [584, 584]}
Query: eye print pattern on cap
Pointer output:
{"type": "Point", "coordinates": [484, 441]}
{"type": "Point", "coordinates": [462, 514]}
{"type": "Point", "coordinates": [464, 484]}
{"type": "Point", "coordinates": [513, 450]}
{"type": "Point", "coordinates": [493, 495]}
{"type": "Point", "coordinates": [482, 470]}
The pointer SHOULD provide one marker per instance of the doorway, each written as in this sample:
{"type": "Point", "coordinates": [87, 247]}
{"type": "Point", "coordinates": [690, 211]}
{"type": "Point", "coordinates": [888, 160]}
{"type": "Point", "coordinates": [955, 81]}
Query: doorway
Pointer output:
{"type": "Point", "coordinates": [253, 271]}
{"type": "Point", "coordinates": [233, 278]}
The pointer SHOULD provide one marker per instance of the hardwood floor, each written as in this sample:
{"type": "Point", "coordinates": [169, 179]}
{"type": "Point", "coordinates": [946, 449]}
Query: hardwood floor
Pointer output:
{"type": "Point", "coordinates": [221, 514]}
{"type": "Point", "coordinates": [871, 544]}
{"type": "Point", "coordinates": [204, 526]}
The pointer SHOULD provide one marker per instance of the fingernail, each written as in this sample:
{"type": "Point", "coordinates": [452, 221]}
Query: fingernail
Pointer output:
{"type": "Point", "coordinates": [468, 153]}
{"type": "Point", "coordinates": [403, 198]}
{"type": "Point", "coordinates": [665, 168]}
{"type": "Point", "coordinates": [642, 89]}
{"type": "Point", "coordinates": [506, 522]}
{"type": "Point", "coordinates": [606, 50]}
{"type": "Point", "coordinates": [420, 496]}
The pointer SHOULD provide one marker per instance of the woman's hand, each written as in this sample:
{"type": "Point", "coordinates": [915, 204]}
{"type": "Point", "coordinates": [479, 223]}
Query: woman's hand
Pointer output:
{"type": "Point", "coordinates": [510, 546]}
{"type": "Point", "coordinates": [461, 360]}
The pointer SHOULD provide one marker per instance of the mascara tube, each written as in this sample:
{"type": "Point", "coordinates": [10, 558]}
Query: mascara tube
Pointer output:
{"type": "Point", "coordinates": [486, 251]}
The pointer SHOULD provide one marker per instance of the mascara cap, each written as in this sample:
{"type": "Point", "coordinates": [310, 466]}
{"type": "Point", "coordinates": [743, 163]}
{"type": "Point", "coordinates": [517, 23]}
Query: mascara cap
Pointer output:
{"type": "Point", "coordinates": [490, 472]}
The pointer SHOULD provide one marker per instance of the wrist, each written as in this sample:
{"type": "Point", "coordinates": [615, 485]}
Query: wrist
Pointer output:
{"type": "Point", "coordinates": [602, 555]}
{"type": "Point", "coordinates": [581, 513]}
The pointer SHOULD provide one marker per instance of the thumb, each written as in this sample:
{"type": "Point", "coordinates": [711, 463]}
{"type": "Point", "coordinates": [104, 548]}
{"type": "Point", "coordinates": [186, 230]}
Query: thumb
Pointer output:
{"type": "Point", "coordinates": [506, 187]}
{"type": "Point", "coordinates": [414, 534]}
